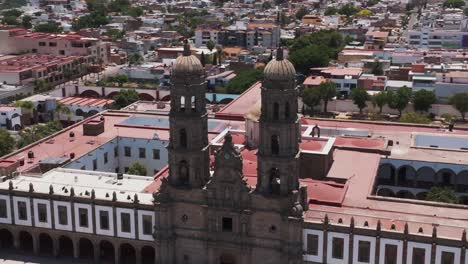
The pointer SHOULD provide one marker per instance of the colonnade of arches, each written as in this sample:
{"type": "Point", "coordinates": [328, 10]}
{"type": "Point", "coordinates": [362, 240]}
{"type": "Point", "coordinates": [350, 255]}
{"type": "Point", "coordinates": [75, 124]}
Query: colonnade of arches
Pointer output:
{"type": "Point", "coordinates": [422, 178]}
{"type": "Point", "coordinates": [84, 248]}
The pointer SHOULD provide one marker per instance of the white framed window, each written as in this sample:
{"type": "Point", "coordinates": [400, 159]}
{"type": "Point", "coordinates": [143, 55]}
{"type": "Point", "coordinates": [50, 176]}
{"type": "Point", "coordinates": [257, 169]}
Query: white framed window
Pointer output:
{"type": "Point", "coordinates": [418, 253]}
{"type": "Point", "coordinates": [363, 249]}
{"type": "Point", "coordinates": [446, 254]}
{"type": "Point", "coordinates": [22, 211]}
{"type": "Point", "coordinates": [146, 225]}
{"type": "Point", "coordinates": [63, 216]}
{"type": "Point", "coordinates": [312, 242]}
{"type": "Point", "coordinates": [391, 250]}
{"type": "Point", "coordinates": [42, 216]}
{"type": "Point", "coordinates": [337, 248]}
{"type": "Point", "coordinates": [104, 220]}
{"type": "Point", "coordinates": [5, 210]}
{"type": "Point", "coordinates": [83, 220]}
{"type": "Point", "coordinates": [125, 222]}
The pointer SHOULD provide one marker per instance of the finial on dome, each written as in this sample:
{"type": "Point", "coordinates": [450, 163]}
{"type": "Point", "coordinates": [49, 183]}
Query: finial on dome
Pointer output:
{"type": "Point", "coordinates": [187, 51]}
{"type": "Point", "coordinates": [279, 53]}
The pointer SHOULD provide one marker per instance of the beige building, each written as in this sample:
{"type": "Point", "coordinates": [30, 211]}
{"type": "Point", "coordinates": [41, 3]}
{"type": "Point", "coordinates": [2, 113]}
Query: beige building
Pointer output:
{"type": "Point", "coordinates": [20, 41]}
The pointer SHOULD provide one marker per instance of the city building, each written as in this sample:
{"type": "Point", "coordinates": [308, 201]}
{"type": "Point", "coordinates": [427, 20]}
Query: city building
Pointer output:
{"type": "Point", "coordinates": [273, 188]}
{"type": "Point", "coordinates": [10, 117]}
{"type": "Point", "coordinates": [241, 34]}
{"type": "Point", "coordinates": [27, 68]}
{"type": "Point", "coordinates": [14, 41]}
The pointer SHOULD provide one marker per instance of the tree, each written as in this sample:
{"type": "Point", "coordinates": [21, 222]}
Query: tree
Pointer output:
{"type": "Point", "coordinates": [423, 99]}
{"type": "Point", "coordinates": [348, 10]}
{"type": "Point", "coordinates": [42, 85]}
{"type": "Point", "coordinates": [202, 59]}
{"type": "Point", "coordinates": [12, 13]}
{"type": "Point", "coordinates": [309, 57]}
{"type": "Point", "coordinates": [115, 34]}
{"type": "Point", "coordinates": [37, 132]}
{"type": "Point", "coordinates": [124, 98]}
{"type": "Point", "coordinates": [311, 96]}
{"type": "Point", "coordinates": [26, 106]}
{"type": "Point", "coordinates": [377, 67]}
{"type": "Point", "coordinates": [301, 12]}
{"type": "Point", "coordinates": [7, 142]}
{"type": "Point", "coordinates": [266, 5]}
{"type": "Point", "coordinates": [460, 102]}
{"type": "Point", "coordinates": [465, 11]}
{"type": "Point", "coordinates": [400, 99]}
{"type": "Point", "coordinates": [360, 97]}
{"type": "Point", "coordinates": [61, 109]}
{"type": "Point", "coordinates": [414, 118]}
{"type": "Point", "coordinates": [215, 59]}
{"type": "Point", "coordinates": [380, 100]}
{"type": "Point", "coordinates": [135, 59]}
{"type": "Point", "coordinates": [364, 13]}
{"type": "Point", "coordinates": [49, 27]}
{"type": "Point", "coordinates": [120, 79]}
{"type": "Point", "coordinates": [10, 20]}
{"type": "Point", "coordinates": [210, 45]}
{"type": "Point", "coordinates": [442, 195]}
{"type": "Point", "coordinates": [331, 11]}
{"type": "Point", "coordinates": [454, 3]}
{"type": "Point", "coordinates": [327, 92]}
{"type": "Point", "coordinates": [26, 22]}
{"type": "Point", "coordinates": [94, 20]}
{"type": "Point", "coordinates": [137, 169]}
{"type": "Point", "coordinates": [244, 80]}
{"type": "Point", "coordinates": [135, 12]}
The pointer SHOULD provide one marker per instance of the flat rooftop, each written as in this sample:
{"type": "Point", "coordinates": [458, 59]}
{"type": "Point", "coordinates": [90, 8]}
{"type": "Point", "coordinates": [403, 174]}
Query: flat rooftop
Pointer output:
{"type": "Point", "coordinates": [85, 101]}
{"type": "Point", "coordinates": [33, 61]}
{"type": "Point", "coordinates": [83, 182]}
{"type": "Point", "coordinates": [116, 124]}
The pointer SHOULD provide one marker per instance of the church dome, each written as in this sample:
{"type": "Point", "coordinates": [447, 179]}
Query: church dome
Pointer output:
{"type": "Point", "coordinates": [279, 69]}
{"type": "Point", "coordinates": [187, 64]}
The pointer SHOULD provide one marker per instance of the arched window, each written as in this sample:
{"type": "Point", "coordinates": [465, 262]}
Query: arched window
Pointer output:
{"type": "Point", "coordinates": [275, 181]}
{"type": "Point", "coordinates": [274, 145]}
{"type": "Point", "coordinates": [183, 138]}
{"type": "Point", "coordinates": [182, 103]}
{"type": "Point", "coordinates": [194, 104]}
{"type": "Point", "coordinates": [286, 111]}
{"type": "Point", "coordinates": [184, 172]}
{"type": "Point", "coordinates": [275, 111]}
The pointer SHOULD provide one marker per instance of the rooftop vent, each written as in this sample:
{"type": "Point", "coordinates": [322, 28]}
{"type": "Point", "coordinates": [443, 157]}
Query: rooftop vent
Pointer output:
{"type": "Point", "coordinates": [119, 176]}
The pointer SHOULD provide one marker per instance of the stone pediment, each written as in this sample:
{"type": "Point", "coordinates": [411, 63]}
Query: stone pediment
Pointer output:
{"type": "Point", "coordinates": [227, 186]}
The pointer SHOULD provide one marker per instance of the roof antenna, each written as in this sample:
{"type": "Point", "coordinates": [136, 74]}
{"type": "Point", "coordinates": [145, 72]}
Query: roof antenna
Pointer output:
{"type": "Point", "coordinates": [187, 51]}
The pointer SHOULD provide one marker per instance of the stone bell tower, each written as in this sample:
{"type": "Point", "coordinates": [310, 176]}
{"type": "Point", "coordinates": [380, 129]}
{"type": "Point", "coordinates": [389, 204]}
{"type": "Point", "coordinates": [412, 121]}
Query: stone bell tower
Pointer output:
{"type": "Point", "coordinates": [188, 147]}
{"type": "Point", "coordinates": [278, 153]}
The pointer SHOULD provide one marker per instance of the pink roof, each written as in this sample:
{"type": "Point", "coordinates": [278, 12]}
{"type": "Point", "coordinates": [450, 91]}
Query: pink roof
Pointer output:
{"type": "Point", "coordinates": [33, 61]}
{"type": "Point", "coordinates": [342, 71]}
{"type": "Point", "coordinates": [239, 107]}
{"type": "Point", "coordinates": [314, 80]}
{"type": "Point", "coordinates": [84, 101]}
{"type": "Point", "coordinates": [6, 108]}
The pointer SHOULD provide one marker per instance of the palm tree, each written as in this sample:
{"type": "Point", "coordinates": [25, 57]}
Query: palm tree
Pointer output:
{"type": "Point", "coordinates": [61, 109]}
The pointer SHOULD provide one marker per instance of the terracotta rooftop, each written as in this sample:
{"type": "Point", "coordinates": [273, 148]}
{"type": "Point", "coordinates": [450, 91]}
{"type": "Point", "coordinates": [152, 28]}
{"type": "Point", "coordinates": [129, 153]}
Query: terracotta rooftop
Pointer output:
{"type": "Point", "coordinates": [239, 107]}
{"type": "Point", "coordinates": [84, 101]}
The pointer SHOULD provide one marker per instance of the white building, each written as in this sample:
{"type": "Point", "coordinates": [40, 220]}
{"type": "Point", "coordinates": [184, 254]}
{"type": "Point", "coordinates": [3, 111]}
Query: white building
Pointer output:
{"type": "Point", "coordinates": [10, 117]}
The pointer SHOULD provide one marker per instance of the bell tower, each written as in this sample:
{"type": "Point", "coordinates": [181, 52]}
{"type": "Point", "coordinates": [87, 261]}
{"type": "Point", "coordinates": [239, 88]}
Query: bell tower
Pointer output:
{"type": "Point", "coordinates": [188, 146]}
{"type": "Point", "coordinates": [278, 153]}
